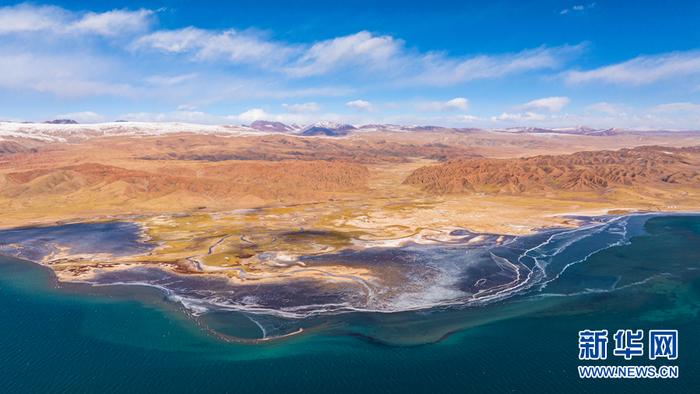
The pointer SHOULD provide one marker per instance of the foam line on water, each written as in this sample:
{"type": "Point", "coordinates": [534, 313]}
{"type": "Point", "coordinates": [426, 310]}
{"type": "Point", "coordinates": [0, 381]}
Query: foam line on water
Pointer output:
{"type": "Point", "coordinates": [433, 285]}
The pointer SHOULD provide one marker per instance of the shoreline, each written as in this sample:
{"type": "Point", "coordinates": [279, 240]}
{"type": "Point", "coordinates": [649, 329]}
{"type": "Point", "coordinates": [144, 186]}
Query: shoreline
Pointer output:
{"type": "Point", "coordinates": [174, 309]}
{"type": "Point", "coordinates": [180, 305]}
{"type": "Point", "coordinates": [121, 266]}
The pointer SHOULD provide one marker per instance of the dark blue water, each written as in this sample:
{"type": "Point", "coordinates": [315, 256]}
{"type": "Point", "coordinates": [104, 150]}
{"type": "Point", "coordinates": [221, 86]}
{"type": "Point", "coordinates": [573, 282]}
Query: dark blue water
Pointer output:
{"type": "Point", "coordinates": [132, 339]}
{"type": "Point", "coordinates": [33, 243]}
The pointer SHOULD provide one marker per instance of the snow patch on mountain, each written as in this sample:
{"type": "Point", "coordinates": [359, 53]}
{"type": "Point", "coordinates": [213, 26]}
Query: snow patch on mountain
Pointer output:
{"type": "Point", "coordinates": [63, 132]}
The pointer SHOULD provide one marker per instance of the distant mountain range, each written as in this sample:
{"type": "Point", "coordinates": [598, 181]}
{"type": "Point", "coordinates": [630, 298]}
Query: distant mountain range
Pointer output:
{"type": "Point", "coordinates": [333, 129]}
{"type": "Point", "coordinates": [61, 121]}
{"type": "Point", "coordinates": [68, 129]}
{"type": "Point", "coordinates": [578, 130]}
{"type": "Point", "coordinates": [340, 129]}
{"type": "Point", "coordinates": [329, 129]}
{"type": "Point", "coordinates": [279, 127]}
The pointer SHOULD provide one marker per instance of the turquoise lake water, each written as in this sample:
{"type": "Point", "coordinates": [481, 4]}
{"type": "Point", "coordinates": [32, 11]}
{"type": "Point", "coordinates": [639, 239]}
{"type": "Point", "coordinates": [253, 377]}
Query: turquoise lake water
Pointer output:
{"type": "Point", "coordinates": [73, 338]}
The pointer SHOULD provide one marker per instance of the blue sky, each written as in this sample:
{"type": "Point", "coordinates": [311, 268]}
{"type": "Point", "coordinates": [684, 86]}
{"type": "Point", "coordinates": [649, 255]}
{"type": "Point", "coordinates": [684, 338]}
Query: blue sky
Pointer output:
{"type": "Point", "coordinates": [480, 64]}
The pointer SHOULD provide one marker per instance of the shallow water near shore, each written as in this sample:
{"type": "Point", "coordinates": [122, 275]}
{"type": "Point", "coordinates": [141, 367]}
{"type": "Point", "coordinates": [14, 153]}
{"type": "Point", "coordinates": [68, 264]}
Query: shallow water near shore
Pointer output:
{"type": "Point", "coordinates": [79, 338]}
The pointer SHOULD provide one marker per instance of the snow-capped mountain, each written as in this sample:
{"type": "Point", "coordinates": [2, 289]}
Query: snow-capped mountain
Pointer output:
{"type": "Point", "coordinates": [577, 130]}
{"type": "Point", "coordinates": [62, 132]}
{"type": "Point", "coordinates": [61, 121]}
{"type": "Point", "coordinates": [271, 126]}
{"type": "Point", "coordinates": [320, 128]}
{"type": "Point", "coordinates": [52, 132]}
{"type": "Point", "coordinates": [330, 129]}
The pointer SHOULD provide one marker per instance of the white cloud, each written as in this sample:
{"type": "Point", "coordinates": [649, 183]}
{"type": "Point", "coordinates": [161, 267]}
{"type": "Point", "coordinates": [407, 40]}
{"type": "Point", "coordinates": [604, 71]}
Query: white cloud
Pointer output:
{"type": "Point", "coordinates": [302, 107]}
{"type": "Point", "coordinates": [53, 50]}
{"type": "Point", "coordinates": [366, 54]}
{"type": "Point", "coordinates": [271, 91]}
{"type": "Point", "coordinates": [437, 69]}
{"type": "Point", "coordinates": [26, 18]}
{"type": "Point", "coordinates": [551, 104]}
{"type": "Point", "coordinates": [642, 70]}
{"type": "Point", "coordinates": [468, 118]}
{"type": "Point", "coordinates": [206, 45]}
{"type": "Point", "coordinates": [59, 75]}
{"type": "Point", "coordinates": [82, 88]}
{"type": "Point", "coordinates": [360, 105]}
{"type": "Point", "coordinates": [369, 52]}
{"type": "Point", "coordinates": [69, 69]}
{"type": "Point", "coordinates": [359, 49]}
{"type": "Point", "coordinates": [455, 104]}
{"type": "Point", "coordinates": [577, 8]}
{"type": "Point", "coordinates": [170, 80]}
{"type": "Point", "coordinates": [213, 88]}
{"type": "Point", "coordinates": [671, 108]}
{"type": "Point", "coordinates": [113, 23]}
{"type": "Point", "coordinates": [79, 73]}
{"type": "Point", "coordinates": [82, 117]}
{"type": "Point", "coordinates": [252, 115]}
{"type": "Point", "coordinates": [519, 117]}
{"type": "Point", "coordinates": [186, 107]}
{"type": "Point", "coordinates": [606, 108]}
{"type": "Point", "coordinates": [458, 103]}
{"type": "Point", "coordinates": [173, 40]}
{"type": "Point", "coordinates": [669, 116]}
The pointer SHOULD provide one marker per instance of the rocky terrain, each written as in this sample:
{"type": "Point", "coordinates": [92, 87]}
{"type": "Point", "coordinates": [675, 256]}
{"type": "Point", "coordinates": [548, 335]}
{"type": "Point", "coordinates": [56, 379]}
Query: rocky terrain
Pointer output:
{"type": "Point", "coordinates": [263, 180]}
{"type": "Point", "coordinates": [582, 171]}
{"type": "Point", "coordinates": [282, 147]}
{"type": "Point", "coordinates": [406, 176]}
{"type": "Point", "coordinates": [8, 147]}
{"type": "Point", "coordinates": [277, 127]}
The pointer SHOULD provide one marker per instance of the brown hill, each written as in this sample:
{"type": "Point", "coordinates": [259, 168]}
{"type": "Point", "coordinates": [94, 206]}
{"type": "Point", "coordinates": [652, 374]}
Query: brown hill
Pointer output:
{"type": "Point", "coordinates": [284, 147]}
{"type": "Point", "coordinates": [276, 180]}
{"type": "Point", "coordinates": [582, 171]}
{"type": "Point", "coordinates": [8, 147]}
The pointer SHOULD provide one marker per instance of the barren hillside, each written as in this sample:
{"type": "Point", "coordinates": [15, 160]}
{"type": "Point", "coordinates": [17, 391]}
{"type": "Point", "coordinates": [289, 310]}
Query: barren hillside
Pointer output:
{"type": "Point", "coordinates": [582, 171]}
{"type": "Point", "coordinates": [267, 181]}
